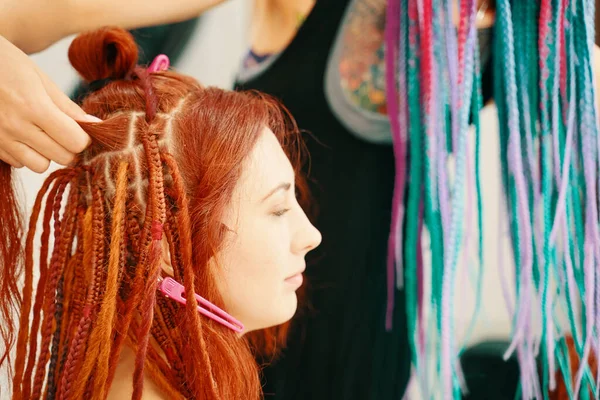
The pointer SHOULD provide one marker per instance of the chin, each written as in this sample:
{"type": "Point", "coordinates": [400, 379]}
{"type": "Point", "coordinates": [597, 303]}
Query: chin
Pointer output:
{"type": "Point", "coordinates": [286, 309]}
{"type": "Point", "coordinates": [282, 311]}
{"type": "Point", "coordinates": [289, 308]}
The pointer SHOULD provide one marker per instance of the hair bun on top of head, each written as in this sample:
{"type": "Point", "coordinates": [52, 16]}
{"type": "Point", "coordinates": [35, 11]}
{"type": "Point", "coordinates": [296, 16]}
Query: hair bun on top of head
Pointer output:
{"type": "Point", "coordinates": [107, 53]}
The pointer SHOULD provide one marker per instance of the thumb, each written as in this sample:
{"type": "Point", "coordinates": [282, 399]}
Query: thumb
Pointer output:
{"type": "Point", "coordinates": [63, 102]}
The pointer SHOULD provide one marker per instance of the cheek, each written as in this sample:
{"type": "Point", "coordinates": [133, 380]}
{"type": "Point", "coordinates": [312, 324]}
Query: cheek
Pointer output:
{"type": "Point", "coordinates": [253, 268]}
{"type": "Point", "coordinates": [259, 252]}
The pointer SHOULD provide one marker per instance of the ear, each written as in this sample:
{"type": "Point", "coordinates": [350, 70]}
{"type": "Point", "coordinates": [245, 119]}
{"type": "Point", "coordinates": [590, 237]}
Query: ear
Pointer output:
{"type": "Point", "coordinates": [166, 256]}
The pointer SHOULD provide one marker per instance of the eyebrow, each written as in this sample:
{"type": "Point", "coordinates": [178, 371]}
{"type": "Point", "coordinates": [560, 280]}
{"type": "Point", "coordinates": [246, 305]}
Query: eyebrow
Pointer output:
{"type": "Point", "coordinates": [285, 186]}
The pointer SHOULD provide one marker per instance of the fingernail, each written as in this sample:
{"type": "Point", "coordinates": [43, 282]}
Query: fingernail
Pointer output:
{"type": "Point", "coordinates": [91, 118]}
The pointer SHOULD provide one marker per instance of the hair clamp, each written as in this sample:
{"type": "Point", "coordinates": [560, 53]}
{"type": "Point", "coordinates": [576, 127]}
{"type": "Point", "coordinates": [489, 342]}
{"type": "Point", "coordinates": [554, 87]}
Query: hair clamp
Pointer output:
{"type": "Point", "coordinates": [161, 63]}
{"type": "Point", "coordinates": [175, 291]}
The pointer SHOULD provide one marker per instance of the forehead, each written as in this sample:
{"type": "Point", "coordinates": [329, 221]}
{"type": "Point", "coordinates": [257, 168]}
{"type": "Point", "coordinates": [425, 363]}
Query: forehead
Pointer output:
{"type": "Point", "coordinates": [266, 167]}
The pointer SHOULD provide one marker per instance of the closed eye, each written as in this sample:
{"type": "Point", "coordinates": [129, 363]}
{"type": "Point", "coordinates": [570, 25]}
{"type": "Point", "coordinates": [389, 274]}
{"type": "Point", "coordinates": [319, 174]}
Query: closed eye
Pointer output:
{"type": "Point", "coordinates": [280, 213]}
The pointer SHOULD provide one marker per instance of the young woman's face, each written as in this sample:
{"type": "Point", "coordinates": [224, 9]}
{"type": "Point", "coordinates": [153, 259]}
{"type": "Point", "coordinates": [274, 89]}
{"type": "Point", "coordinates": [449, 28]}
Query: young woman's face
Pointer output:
{"type": "Point", "coordinates": [261, 265]}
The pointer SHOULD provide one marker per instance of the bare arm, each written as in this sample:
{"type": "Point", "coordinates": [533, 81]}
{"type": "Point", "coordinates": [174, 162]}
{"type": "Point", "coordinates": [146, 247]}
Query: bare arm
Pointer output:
{"type": "Point", "coordinates": [33, 25]}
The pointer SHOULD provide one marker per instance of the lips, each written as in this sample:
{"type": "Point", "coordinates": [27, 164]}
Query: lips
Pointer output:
{"type": "Point", "coordinates": [296, 279]}
{"type": "Point", "coordinates": [298, 272]}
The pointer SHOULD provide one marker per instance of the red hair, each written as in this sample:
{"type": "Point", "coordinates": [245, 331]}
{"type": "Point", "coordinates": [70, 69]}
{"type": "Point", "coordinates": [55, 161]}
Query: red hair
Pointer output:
{"type": "Point", "coordinates": [165, 161]}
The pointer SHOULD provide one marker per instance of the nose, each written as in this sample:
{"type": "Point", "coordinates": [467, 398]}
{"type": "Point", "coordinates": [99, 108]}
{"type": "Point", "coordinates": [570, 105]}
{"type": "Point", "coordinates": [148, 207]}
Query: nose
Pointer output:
{"type": "Point", "coordinates": [314, 238]}
{"type": "Point", "coordinates": [308, 236]}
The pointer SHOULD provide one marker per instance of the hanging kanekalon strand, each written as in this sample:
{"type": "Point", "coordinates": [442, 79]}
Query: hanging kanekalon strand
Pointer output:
{"type": "Point", "coordinates": [549, 147]}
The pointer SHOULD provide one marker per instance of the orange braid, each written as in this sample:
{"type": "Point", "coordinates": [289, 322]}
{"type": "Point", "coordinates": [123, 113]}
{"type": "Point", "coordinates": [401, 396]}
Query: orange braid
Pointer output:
{"type": "Point", "coordinates": [77, 293]}
{"type": "Point", "coordinates": [134, 233]}
{"type": "Point", "coordinates": [94, 295]}
{"type": "Point", "coordinates": [105, 321]}
{"type": "Point", "coordinates": [173, 241]}
{"type": "Point", "coordinates": [168, 309]}
{"type": "Point", "coordinates": [33, 338]}
{"type": "Point", "coordinates": [28, 288]}
{"type": "Point", "coordinates": [77, 347]}
{"type": "Point", "coordinates": [70, 295]}
{"type": "Point", "coordinates": [49, 307]}
{"type": "Point", "coordinates": [160, 330]}
{"type": "Point", "coordinates": [63, 254]}
{"type": "Point", "coordinates": [158, 205]}
{"type": "Point", "coordinates": [184, 225]}
{"type": "Point", "coordinates": [137, 244]}
{"type": "Point", "coordinates": [172, 352]}
{"type": "Point", "coordinates": [81, 275]}
{"type": "Point", "coordinates": [125, 321]}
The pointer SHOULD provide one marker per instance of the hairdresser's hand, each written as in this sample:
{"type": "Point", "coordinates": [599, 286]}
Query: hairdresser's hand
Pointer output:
{"type": "Point", "coordinates": [37, 120]}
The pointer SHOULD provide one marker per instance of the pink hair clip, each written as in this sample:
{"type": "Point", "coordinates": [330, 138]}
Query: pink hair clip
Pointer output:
{"type": "Point", "coordinates": [161, 63]}
{"type": "Point", "coordinates": [174, 290]}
